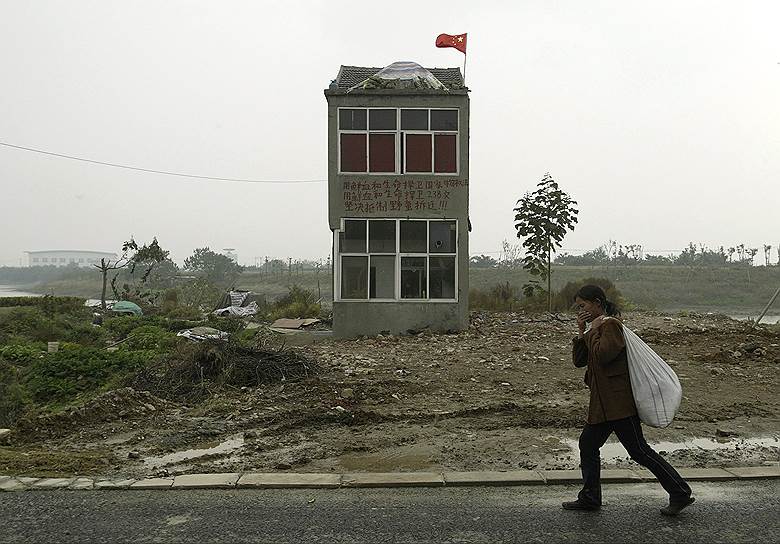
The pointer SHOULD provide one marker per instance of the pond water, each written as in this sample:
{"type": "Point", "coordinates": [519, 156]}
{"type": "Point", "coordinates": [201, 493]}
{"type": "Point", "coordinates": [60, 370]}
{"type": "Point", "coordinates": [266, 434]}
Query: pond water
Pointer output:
{"type": "Point", "coordinates": [10, 291]}
{"type": "Point", "coordinates": [614, 451]}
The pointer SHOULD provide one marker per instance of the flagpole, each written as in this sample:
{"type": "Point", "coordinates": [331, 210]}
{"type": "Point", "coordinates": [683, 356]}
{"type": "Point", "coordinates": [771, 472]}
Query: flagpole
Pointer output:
{"type": "Point", "coordinates": [465, 56]}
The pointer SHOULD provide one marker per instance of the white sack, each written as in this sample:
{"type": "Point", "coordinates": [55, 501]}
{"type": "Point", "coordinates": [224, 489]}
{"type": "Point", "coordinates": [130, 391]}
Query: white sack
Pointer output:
{"type": "Point", "coordinates": [657, 390]}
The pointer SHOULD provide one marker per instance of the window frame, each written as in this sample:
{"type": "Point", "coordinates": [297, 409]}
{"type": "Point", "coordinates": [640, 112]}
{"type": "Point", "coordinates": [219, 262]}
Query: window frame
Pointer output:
{"type": "Point", "coordinates": [398, 256]}
{"type": "Point", "coordinates": [400, 142]}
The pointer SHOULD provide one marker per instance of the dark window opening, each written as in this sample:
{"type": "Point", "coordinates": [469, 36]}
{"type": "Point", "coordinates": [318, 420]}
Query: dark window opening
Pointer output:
{"type": "Point", "coordinates": [381, 152]}
{"type": "Point", "coordinates": [352, 119]}
{"type": "Point", "coordinates": [418, 152]}
{"type": "Point", "coordinates": [353, 153]}
{"type": "Point", "coordinates": [382, 119]}
{"type": "Point", "coordinates": [445, 153]}
{"type": "Point", "coordinates": [414, 119]}
{"type": "Point", "coordinates": [444, 119]}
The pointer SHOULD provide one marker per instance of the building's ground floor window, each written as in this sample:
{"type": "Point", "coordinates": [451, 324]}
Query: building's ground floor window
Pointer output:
{"type": "Point", "coordinates": [397, 259]}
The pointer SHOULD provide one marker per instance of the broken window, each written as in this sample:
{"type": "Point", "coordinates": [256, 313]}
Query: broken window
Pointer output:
{"type": "Point", "coordinates": [354, 272]}
{"type": "Point", "coordinates": [410, 259]}
{"type": "Point", "coordinates": [442, 236]}
{"type": "Point", "coordinates": [442, 277]}
{"type": "Point", "coordinates": [413, 277]}
{"type": "Point", "coordinates": [381, 236]}
{"type": "Point", "coordinates": [382, 276]}
{"type": "Point", "coordinates": [414, 236]}
{"type": "Point", "coordinates": [353, 238]}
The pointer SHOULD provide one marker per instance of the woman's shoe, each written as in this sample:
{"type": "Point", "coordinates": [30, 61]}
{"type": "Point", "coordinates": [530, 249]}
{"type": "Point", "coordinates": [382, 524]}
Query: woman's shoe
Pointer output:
{"type": "Point", "coordinates": [580, 505]}
{"type": "Point", "coordinates": [675, 508]}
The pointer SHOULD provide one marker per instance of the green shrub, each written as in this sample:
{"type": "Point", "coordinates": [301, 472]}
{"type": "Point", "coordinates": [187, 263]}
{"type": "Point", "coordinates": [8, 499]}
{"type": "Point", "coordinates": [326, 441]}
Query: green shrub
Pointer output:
{"type": "Point", "coordinates": [61, 376]}
{"type": "Point", "coordinates": [150, 337]}
{"type": "Point", "coordinates": [297, 303]}
{"type": "Point", "coordinates": [502, 297]}
{"type": "Point", "coordinates": [563, 300]}
{"type": "Point", "coordinates": [49, 303]}
{"type": "Point", "coordinates": [20, 353]}
{"type": "Point", "coordinates": [14, 401]}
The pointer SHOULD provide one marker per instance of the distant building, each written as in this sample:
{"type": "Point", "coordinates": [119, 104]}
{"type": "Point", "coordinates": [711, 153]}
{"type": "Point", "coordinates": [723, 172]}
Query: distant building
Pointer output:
{"type": "Point", "coordinates": [65, 257]}
{"type": "Point", "coordinates": [398, 177]}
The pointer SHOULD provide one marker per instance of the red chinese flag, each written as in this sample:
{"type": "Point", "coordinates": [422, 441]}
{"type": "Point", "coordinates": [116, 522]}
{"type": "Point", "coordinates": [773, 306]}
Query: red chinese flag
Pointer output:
{"type": "Point", "coordinates": [458, 41]}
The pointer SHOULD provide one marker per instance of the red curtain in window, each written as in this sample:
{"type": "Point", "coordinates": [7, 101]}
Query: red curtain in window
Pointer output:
{"type": "Point", "coordinates": [381, 149]}
{"type": "Point", "coordinates": [353, 152]}
{"type": "Point", "coordinates": [445, 153]}
{"type": "Point", "coordinates": [418, 152]}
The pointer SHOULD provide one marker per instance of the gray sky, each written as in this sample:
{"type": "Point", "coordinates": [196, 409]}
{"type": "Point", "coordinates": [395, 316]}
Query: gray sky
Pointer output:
{"type": "Point", "coordinates": [661, 118]}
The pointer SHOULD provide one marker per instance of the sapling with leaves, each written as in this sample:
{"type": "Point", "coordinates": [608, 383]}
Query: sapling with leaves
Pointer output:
{"type": "Point", "coordinates": [542, 219]}
{"type": "Point", "coordinates": [132, 255]}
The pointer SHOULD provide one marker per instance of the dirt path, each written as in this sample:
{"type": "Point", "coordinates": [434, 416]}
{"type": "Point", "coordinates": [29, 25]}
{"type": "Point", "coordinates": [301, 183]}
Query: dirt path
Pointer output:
{"type": "Point", "coordinates": [501, 395]}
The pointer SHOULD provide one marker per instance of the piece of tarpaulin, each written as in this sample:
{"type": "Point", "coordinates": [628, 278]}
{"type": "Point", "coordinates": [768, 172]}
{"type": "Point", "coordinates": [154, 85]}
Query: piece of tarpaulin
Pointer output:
{"type": "Point", "coordinates": [238, 311]}
{"type": "Point", "coordinates": [285, 323]}
{"type": "Point", "coordinates": [203, 333]}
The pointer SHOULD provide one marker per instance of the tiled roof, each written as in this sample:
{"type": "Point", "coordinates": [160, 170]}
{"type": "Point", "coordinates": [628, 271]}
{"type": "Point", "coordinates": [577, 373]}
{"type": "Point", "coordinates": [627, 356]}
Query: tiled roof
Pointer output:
{"type": "Point", "coordinates": [349, 76]}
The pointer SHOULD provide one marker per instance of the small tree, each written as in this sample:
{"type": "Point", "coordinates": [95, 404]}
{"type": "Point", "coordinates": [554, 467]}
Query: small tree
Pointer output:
{"type": "Point", "coordinates": [132, 255]}
{"type": "Point", "coordinates": [217, 268]}
{"type": "Point", "coordinates": [542, 218]}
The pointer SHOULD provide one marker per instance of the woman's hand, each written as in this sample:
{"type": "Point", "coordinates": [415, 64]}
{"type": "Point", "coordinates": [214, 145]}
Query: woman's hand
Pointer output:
{"type": "Point", "coordinates": [596, 323]}
{"type": "Point", "coordinates": [582, 319]}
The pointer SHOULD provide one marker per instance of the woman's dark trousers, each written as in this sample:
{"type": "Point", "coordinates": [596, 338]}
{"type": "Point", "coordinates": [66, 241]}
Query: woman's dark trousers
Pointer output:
{"type": "Point", "coordinates": [629, 432]}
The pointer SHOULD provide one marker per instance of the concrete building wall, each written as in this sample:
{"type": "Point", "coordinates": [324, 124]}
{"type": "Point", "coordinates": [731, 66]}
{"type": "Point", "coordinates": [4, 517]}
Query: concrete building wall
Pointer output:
{"type": "Point", "coordinates": [431, 196]}
{"type": "Point", "coordinates": [67, 257]}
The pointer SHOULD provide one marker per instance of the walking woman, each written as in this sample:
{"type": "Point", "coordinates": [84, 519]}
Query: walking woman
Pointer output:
{"type": "Point", "coordinates": [612, 409]}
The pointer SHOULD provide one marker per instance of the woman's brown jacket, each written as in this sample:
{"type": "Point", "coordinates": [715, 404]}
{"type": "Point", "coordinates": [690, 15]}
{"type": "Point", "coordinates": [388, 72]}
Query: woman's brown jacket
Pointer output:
{"type": "Point", "coordinates": [604, 352]}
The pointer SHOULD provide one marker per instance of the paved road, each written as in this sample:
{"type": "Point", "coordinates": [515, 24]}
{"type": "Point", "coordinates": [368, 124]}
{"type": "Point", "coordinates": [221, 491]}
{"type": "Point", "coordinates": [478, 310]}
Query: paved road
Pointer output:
{"type": "Point", "coordinates": [724, 512]}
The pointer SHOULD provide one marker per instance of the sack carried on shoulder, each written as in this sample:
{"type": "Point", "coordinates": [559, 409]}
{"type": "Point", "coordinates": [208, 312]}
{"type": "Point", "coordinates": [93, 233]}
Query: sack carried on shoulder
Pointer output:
{"type": "Point", "coordinates": [657, 390]}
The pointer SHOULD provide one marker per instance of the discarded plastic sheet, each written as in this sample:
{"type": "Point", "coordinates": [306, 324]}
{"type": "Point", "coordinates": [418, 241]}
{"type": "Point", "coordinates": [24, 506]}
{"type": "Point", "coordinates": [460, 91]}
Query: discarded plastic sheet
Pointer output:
{"type": "Point", "coordinates": [285, 323]}
{"type": "Point", "coordinates": [239, 311]}
{"type": "Point", "coordinates": [199, 334]}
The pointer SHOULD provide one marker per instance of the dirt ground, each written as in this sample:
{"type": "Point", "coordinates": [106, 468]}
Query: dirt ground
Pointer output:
{"type": "Point", "coordinates": [501, 395]}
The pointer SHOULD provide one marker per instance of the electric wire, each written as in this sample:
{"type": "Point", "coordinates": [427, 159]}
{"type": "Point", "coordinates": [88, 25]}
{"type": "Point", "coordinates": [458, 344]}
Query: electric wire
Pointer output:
{"type": "Point", "coordinates": [163, 172]}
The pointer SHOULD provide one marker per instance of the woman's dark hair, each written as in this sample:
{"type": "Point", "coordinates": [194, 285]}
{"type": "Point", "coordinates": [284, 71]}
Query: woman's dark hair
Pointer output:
{"type": "Point", "coordinates": [594, 293]}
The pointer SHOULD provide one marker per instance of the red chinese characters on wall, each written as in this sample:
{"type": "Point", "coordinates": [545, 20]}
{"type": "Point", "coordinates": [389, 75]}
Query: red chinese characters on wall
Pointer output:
{"type": "Point", "coordinates": [382, 196]}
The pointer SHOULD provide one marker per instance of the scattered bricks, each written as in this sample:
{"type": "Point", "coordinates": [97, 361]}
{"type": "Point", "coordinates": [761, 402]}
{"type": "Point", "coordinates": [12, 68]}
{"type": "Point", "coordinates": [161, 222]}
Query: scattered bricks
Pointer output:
{"type": "Point", "coordinates": [486, 478]}
{"type": "Point", "coordinates": [82, 483]}
{"type": "Point", "coordinates": [393, 479]}
{"type": "Point", "coordinates": [114, 484]}
{"type": "Point", "coordinates": [562, 476]}
{"type": "Point", "coordinates": [288, 479]}
{"type": "Point", "coordinates": [204, 481]}
{"type": "Point", "coordinates": [152, 483]}
{"type": "Point", "coordinates": [705, 474]}
{"type": "Point", "coordinates": [52, 483]}
{"type": "Point", "coordinates": [748, 473]}
{"type": "Point", "coordinates": [618, 475]}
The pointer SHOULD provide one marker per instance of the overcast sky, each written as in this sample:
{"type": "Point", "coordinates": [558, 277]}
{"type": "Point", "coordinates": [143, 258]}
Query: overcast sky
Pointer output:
{"type": "Point", "coordinates": [661, 118]}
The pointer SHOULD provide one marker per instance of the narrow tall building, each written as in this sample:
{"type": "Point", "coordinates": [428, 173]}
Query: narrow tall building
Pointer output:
{"type": "Point", "coordinates": [398, 177]}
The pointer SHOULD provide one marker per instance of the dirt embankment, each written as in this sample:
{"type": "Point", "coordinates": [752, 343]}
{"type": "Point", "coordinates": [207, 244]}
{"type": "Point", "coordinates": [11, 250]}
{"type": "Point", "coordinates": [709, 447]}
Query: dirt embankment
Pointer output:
{"type": "Point", "coordinates": [501, 395]}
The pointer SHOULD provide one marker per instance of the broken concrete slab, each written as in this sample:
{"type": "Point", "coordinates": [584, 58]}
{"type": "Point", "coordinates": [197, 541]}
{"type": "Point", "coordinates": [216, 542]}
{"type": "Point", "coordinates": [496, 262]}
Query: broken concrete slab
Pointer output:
{"type": "Point", "coordinates": [12, 484]}
{"type": "Point", "coordinates": [289, 479]}
{"type": "Point", "coordinates": [393, 479]}
{"type": "Point", "coordinates": [114, 484]}
{"type": "Point", "coordinates": [206, 481]}
{"type": "Point", "coordinates": [510, 477]}
{"type": "Point", "coordinates": [53, 483]}
{"type": "Point", "coordinates": [561, 476]}
{"type": "Point", "coordinates": [82, 483]}
{"type": "Point", "coordinates": [152, 483]}
{"type": "Point", "coordinates": [748, 473]}
{"type": "Point", "coordinates": [705, 474]}
{"type": "Point", "coordinates": [618, 475]}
